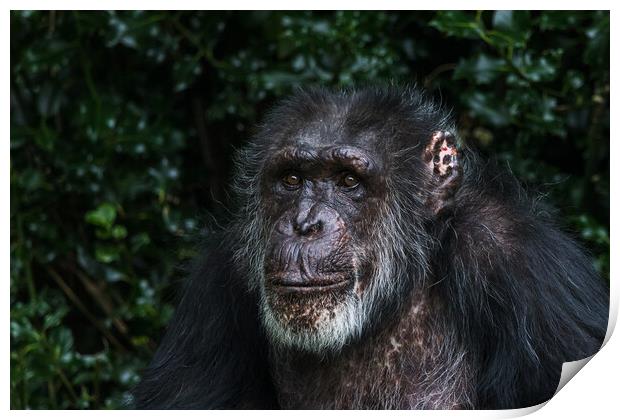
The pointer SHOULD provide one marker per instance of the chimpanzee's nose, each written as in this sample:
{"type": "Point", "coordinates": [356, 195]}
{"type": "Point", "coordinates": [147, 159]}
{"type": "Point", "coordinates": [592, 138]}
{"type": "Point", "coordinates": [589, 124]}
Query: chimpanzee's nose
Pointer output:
{"type": "Point", "coordinates": [314, 219]}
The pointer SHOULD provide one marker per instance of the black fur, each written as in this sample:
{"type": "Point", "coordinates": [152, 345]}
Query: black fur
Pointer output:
{"type": "Point", "coordinates": [213, 354]}
{"type": "Point", "coordinates": [522, 295]}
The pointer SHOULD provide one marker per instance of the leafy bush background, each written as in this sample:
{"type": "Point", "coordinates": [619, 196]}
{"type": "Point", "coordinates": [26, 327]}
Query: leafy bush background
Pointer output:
{"type": "Point", "coordinates": [123, 124]}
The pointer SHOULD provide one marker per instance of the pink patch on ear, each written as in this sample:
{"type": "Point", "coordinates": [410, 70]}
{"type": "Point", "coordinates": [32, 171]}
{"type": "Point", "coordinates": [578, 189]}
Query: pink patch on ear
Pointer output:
{"type": "Point", "coordinates": [441, 154]}
{"type": "Point", "coordinates": [443, 166]}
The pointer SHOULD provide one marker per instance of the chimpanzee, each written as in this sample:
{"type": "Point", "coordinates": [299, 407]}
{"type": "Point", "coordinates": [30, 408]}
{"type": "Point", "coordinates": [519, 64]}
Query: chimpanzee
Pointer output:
{"type": "Point", "coordinates": [375, 261]}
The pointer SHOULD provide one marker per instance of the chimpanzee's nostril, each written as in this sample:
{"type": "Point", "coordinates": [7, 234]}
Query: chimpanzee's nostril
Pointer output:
{"type": "Point", "coordinates": [316, 227]}
{"type": "Point", "coordinates": [308, 228]}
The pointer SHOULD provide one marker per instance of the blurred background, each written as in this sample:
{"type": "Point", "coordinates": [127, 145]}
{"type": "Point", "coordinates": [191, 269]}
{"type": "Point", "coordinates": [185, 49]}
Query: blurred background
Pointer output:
{"type": "Point", "coordinates": [123, 125]}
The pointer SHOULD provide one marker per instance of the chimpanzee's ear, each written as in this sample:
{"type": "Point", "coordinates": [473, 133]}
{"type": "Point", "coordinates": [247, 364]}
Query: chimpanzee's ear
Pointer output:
{"type": "Point", "coordinates": [443, 162]}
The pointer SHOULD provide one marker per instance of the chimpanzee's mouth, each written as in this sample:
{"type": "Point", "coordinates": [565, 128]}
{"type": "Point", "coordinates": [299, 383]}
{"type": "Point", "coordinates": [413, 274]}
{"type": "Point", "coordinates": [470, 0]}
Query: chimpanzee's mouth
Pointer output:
{"type": "Point", "coordinates": [309, 285]}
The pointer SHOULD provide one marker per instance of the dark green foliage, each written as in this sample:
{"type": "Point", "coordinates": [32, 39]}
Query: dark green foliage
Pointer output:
{"type": "Point", "coordinates": [123, 125]}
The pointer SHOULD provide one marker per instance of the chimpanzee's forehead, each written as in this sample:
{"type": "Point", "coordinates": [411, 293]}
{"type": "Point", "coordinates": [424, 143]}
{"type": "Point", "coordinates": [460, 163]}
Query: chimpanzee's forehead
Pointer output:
{"type": "Point", "coordinates": [330, 132]}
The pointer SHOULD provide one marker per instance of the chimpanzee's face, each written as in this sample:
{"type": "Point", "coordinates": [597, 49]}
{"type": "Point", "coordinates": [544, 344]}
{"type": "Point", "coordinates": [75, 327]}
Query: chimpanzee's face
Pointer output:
{"type": "Point", "coordinates": [322, 201]}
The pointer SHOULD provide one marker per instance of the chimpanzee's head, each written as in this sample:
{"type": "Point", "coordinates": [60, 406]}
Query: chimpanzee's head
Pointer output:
{"type": "Point", "coordinates": [338, 191]}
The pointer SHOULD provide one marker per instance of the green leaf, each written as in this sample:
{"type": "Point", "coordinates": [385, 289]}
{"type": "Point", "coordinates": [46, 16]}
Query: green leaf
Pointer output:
{"type": "Point", "coordinates": [119, 232]}
{"type": "Point", "coordinates": [482, 69]}
{"type": "Point", "coordinates": [539, 68]}
{"type": "Point", "coordinates": [489, 109]}
{"type": "Point", "coordinates": [140, 240]}
{"type": "Point", "coordinates": [102, 216]}
{"type": "Point", "coordinates": [511, 27]}
{"type": "Point", "coordinates": [555, 19]}
{"type": "Point", "coordinates": [106, 253]}
{"type": "Point", "coordinates": [458, 24]}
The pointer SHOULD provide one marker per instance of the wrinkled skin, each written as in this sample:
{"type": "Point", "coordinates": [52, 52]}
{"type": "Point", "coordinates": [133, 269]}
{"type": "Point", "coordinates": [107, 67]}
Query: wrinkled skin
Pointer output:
{"type": "Point", "coordinates": [313, 254]}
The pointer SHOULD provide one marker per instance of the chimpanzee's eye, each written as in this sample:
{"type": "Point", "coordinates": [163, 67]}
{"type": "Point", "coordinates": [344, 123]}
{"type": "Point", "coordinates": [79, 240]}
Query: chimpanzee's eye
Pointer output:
{"type": "Point", "coordinates": [292, 180]}
{"type": "Point", "coordinates": [350, 181]}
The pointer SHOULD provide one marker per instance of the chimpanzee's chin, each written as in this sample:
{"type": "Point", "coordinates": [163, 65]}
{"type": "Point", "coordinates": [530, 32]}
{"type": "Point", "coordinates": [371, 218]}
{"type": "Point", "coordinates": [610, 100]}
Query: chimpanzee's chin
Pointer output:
{"type": "Point", "coordinates": [304, 309]}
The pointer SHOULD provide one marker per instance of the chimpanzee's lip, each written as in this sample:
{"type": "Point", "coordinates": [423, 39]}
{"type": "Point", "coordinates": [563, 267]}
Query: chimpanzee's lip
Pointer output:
{"type": "Point", "coordinates": [317, 285]}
